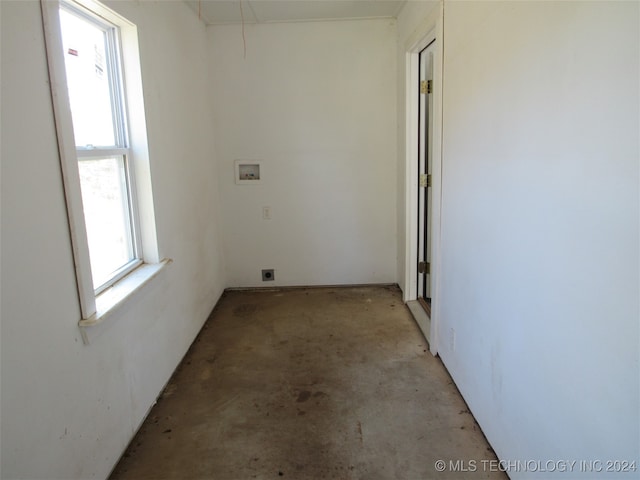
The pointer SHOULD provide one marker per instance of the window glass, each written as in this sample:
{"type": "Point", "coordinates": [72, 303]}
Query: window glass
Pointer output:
{"type": "Point", "coordinates": [105, 203]}
{"type": "Point", "coordinates": [88, 80]}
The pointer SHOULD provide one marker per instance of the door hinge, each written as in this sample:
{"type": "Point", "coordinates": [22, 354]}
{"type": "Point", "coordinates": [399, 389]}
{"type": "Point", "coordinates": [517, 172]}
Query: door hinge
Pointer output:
{"type": "Point", "coordinates": [425, 180]}
{"type": "Point", "coordinates": [425, 86]}
{"type": "Point", "coordinates": [424, 267]}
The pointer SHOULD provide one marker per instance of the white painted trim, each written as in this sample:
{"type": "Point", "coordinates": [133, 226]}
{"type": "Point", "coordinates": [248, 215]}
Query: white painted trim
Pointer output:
{"type": "Point", "coordinates": [411, 179]}
{"type": "Point", "coordinates": [431, 29]}
{"type": "Point", "coordinates": [101, 152]}
{"type": "Point", "coordinates": [68, 156]}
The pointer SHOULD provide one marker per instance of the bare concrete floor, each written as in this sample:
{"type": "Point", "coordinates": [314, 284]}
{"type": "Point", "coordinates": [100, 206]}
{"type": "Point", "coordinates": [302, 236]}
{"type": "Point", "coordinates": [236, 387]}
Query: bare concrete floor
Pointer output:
{"type": "Point", "coordinates": [329, 383]}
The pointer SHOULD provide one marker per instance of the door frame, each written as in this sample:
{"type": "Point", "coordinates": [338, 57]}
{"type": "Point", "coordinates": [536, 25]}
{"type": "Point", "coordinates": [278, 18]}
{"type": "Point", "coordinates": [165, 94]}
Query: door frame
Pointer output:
{"type": "Point", "coordinates": [432, 29]}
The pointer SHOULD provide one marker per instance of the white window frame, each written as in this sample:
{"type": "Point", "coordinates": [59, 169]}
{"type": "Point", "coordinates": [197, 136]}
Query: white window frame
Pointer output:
{"type": "Point", "coordinates": [97, 305]}
{"type": "Point", "coordinates": [121, 146]}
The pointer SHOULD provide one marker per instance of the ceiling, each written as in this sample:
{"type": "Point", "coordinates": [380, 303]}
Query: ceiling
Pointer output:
{"type": "Point", "coordinates": [221, 12]}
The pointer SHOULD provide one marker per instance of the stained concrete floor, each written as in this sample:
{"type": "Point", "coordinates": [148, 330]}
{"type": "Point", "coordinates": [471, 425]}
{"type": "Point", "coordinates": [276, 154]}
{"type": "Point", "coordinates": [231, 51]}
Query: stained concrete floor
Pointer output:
{"type": "Point", "coordinates": [328, 383]}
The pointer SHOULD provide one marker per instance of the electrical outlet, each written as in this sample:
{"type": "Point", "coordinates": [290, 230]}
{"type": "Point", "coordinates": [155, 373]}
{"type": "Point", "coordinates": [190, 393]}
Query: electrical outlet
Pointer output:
{"type": "Point", "coordinates": [266, 213]}
{"type": "Point", "coordinates": [268, 275]}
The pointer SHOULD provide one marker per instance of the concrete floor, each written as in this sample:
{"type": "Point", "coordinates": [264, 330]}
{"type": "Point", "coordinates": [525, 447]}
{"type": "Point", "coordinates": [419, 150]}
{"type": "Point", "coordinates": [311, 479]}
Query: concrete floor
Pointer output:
{"type": "Point", "coordinates": [328, 383]}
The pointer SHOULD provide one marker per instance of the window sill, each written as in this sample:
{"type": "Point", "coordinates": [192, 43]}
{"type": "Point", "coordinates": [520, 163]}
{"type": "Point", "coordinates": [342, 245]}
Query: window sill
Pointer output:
{"type": "Point", "coordinates": [109, 301]}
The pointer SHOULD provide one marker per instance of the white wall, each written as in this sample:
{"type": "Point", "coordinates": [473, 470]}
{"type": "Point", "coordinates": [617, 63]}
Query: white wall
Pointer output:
{"type": "Point", "coordinates": [540, 226]}
{"type": "Point", "coordinates": [315, 102]}
{"type": "Point", "coordinates": [69, 410]}
{"type": "Point", "coordinates": [540, 216]}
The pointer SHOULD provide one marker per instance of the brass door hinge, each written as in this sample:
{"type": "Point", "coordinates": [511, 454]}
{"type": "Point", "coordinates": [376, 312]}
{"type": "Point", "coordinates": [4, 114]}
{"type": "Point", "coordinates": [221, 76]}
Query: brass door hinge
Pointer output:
{"type": "Point", "coordinates": [424, 267]}
{"type": "Point", "coordinates": [425, 180]}
{"type": "Point", "coordinates": [425, 86]}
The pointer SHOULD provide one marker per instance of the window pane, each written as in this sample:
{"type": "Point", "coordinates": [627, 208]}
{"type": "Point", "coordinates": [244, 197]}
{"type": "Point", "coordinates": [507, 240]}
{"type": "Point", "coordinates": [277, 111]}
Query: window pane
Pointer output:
{"type": "Point", "coordinates": [85, 54]}
{"type": "Point", "coordinates": [106, 212]}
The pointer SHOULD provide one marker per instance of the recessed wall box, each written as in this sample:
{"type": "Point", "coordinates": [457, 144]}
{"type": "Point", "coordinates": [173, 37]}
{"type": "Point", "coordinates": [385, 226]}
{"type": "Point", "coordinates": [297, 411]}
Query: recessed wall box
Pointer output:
{"type": "Point", "coordinates": [247, 172]}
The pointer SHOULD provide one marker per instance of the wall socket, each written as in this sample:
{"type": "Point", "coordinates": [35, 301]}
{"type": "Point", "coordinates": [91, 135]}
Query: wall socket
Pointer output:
{"type": "Point", "coordinates": [268, 275]}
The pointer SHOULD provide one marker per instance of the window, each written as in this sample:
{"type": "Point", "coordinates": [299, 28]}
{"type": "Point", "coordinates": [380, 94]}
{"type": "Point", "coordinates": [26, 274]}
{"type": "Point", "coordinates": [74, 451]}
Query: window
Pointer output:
{"type": "Point", "coordinates": [97, 95]}
{"type": "Point", "coordinates": [94, 81]}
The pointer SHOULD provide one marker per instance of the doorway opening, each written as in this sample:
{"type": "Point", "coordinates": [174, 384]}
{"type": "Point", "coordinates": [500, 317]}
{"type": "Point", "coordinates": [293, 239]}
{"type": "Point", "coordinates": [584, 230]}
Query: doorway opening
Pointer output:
{"type": "Point", "coordinates": [425, 177]}
{"type": "Point", "coordinates": [423, 173]}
